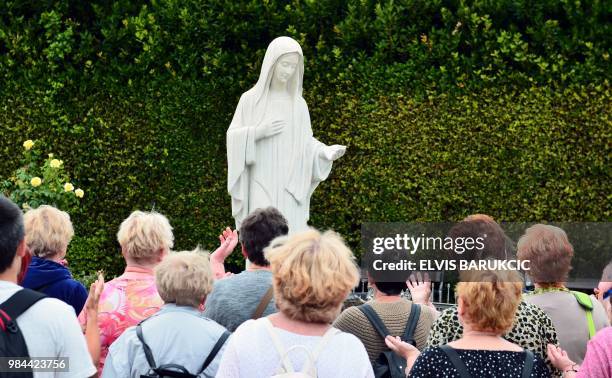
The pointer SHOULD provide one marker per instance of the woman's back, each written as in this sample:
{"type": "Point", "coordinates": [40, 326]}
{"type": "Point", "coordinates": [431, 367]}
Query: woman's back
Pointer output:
{"type": "Point", "coordinates": [569, 319]}
{"type": "Point", "coordinates": [54, 280]}
{"type": "Point", "coordinates": [250, 353]}
{"type": "Point", "coordinates": [124, 302]}
{"type": "Point", "coordinates": [434, 362]}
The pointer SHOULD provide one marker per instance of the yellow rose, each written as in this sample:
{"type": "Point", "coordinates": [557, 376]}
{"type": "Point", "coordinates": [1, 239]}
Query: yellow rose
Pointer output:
{"type": "Point", "coordinates": [25, 206]}
{"type": "Point", "coordinates": [50, 156]}
{"type": "Point", "coordinates": [35, 181]}
{"type": "Point", "coordinates": [55, 163]}
{"type": "Point", "coordinates": [79, 193]}
{"type": "Point", "coordinates": [28, 144]}
{"type": "Point", "coordinates": [68, 187]}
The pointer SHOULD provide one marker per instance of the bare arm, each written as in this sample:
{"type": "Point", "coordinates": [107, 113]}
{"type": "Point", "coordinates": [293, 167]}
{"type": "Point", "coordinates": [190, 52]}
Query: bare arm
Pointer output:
{"type": "Point", "coordinates": [228, 241]}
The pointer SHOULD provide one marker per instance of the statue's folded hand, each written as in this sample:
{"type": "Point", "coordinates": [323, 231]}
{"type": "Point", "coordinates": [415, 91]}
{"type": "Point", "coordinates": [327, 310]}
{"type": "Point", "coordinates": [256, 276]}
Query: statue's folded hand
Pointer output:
{"type": "Point", "coordinates": [269, 129]}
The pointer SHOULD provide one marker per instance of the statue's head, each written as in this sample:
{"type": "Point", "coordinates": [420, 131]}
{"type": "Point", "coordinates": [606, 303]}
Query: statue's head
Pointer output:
{"type": "Point", "coordinates": [282, 62]}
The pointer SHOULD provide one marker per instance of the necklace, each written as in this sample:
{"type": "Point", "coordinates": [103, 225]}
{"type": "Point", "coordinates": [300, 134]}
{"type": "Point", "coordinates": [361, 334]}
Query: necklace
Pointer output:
{"type": "Point", "coordinates": [258, 268]}
{"type": "Point", "coordinates": [542, 290]}
{"type": "Point", "coordinates": [481, 334]}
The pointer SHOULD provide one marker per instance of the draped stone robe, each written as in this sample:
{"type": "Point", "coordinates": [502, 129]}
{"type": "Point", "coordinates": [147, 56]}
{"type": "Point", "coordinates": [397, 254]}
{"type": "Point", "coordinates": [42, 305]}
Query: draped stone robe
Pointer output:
{"type": "Point", "coordinates": [281, 171]}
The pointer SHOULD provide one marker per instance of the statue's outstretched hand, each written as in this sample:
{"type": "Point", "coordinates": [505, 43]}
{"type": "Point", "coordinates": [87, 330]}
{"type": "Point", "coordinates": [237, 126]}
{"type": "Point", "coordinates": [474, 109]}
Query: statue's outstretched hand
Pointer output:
{"type": "Point", "coordinates": [269, 129]}
{"type": "Point", "coordinates": [334, 152]}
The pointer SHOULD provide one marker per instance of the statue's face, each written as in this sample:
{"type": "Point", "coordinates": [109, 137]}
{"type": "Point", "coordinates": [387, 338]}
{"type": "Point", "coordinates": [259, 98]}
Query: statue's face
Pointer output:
{"type": "Point", "coordinates": [286, 66]}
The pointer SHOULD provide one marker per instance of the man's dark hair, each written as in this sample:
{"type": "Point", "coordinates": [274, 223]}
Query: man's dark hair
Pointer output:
{"type": "Point", "coordinates": [391, 288]}
{"type": "Point", "coordinates": [11, 231]}
{"type": "Point", "coordinates": [258, 229]}
{"type": "Point", "coordinates": [389, 282]}
{"type": "Point", "coordinates": [496, 244]}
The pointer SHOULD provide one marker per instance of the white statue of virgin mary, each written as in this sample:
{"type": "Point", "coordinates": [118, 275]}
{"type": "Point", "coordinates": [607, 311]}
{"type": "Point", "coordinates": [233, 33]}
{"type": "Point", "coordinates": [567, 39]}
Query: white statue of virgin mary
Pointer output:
{"type": "Point", "coordinates": [273, 158]}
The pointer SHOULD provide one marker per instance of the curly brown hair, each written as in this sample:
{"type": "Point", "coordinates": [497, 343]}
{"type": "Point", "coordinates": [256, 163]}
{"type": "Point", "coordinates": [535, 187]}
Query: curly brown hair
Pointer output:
{"type": "Point", "coordinates": [313, 275]}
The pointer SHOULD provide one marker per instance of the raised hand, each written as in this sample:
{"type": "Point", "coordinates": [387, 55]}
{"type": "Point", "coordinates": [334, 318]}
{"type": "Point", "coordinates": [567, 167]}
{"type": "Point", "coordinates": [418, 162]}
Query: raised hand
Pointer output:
{"type": "Point", "coordinates": [270, 129]}
{"type": "Point", "coordinates": [91, 304]}
{"type": "Point", "coordinates": [228, 241]}
{"type": "Point", "coordinates": [420, 288]}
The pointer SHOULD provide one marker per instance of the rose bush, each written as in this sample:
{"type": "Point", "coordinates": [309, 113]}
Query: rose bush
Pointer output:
{"type": "Point", "coordinates": [35, 183]}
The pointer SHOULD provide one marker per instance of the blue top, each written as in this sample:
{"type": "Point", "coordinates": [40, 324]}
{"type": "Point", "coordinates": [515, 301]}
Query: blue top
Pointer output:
{"type": "Point", "coordinates": [176, 335]}
{"type": "Point", "coordinates": [55, 280]}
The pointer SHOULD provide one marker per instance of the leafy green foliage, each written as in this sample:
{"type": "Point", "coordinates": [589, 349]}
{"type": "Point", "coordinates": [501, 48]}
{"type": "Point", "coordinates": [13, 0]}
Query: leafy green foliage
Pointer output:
{"type": "Point", "coordinates": [447, 107]}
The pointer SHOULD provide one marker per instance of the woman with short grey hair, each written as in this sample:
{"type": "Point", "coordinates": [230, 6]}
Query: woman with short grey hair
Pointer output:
{"type": "Point", "coordinates": [179, 333]}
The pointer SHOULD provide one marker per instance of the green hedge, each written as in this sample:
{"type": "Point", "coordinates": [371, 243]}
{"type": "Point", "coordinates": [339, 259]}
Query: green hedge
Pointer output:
{"type": "Point", "coordinates": [448, 108]}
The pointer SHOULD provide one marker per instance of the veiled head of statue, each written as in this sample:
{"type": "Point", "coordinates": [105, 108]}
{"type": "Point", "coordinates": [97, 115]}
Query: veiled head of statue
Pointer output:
{"type": "Point", "coordinates": [283, 60]}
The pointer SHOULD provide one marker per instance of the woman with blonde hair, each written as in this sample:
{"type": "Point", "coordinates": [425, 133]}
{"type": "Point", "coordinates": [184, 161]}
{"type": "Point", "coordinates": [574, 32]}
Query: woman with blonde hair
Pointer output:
{"type": "Point", "coordinates": [487, 304]}
{"type": "Point", "coordinates": [145, 239]}
{"type": "Point", "coordinates": [48, 233]}
{"type": "Point", "coordinates": [313, 274]}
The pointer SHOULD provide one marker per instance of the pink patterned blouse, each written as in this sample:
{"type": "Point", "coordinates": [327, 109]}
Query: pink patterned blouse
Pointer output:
{"type": "Point", "coordinates": [124, 302]}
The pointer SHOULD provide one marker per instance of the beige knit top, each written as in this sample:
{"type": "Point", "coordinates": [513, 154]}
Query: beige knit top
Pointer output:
{"type": "Point", "coordinates": [395, 316]}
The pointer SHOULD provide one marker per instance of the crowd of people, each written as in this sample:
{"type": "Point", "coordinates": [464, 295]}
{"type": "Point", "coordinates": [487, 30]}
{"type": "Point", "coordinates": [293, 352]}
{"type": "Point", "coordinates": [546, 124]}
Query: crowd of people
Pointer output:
{"type": "Point", "coordinates": [181, 314]}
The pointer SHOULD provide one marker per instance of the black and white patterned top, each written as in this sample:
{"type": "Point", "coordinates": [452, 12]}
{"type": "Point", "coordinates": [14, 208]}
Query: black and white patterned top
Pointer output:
{"type": "Point", "coordinates": [532, 330]}
{"type": "Point", "coordinates": [433, 362]}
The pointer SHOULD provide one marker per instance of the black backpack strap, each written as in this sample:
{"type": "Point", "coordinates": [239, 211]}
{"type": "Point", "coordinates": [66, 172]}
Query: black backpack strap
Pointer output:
{"type": "Point", "coordinates": [214, 351]}
{"type": "Point", "coordinates": [147, 350]}
{"type": "Point", "coordinates": [413, 320]}
{"type": "Point", "coordinates": [528, 365]}
{"type": "Point", "coordinates": [172, 371]}
{"type": "Point", "coordinates": [374, 319]}
{"type": "Point", "coordinates": [453, 356]}
{"type": "Point", "coordinates": [16, 305]}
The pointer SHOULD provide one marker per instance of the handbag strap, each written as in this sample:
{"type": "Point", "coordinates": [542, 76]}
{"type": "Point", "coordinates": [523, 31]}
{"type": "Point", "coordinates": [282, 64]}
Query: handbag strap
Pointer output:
{"type": "Point", "coordinates": [261, 307]}
{"type": "Point", "coordinates": [528, 365]}
{"type": "Point", "coordinates": [587, 305]}
{"type": "Point", "coordinates": [453, 356]}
